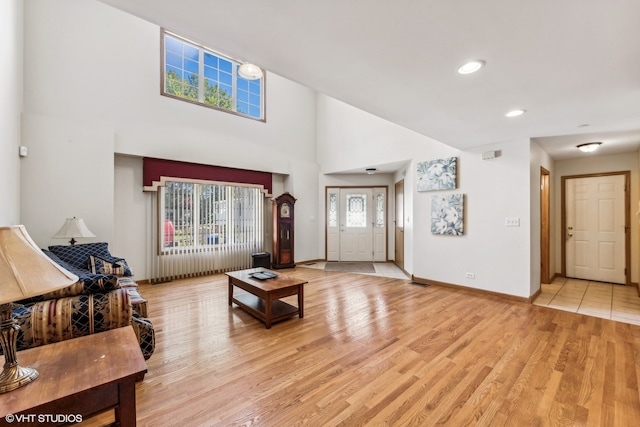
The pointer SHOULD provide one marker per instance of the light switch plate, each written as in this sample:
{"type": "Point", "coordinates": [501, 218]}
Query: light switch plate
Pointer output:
{"type": "Point", "coordinates": [512, 222]}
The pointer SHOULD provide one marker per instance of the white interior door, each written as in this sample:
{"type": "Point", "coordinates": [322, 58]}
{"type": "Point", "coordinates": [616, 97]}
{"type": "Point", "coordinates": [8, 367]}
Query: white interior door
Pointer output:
{"type": "Point", "coordinates": [356, 224]}
{"type": "Point", "coordinates": [595, 234]}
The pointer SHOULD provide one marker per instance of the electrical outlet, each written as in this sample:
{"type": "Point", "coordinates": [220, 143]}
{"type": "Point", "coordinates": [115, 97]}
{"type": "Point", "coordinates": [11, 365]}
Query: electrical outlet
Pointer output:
{"type": "Point", "coordinates": [470, 275]}
{"type": "Point", "coordinates": [512, 222]}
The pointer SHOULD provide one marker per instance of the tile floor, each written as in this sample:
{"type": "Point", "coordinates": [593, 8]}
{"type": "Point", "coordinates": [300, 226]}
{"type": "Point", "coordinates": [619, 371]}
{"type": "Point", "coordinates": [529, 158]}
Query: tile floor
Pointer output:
{"type": "Point", "coordinates": [609, 301]}
{"type": "Point", "coordinates": [385, 269]}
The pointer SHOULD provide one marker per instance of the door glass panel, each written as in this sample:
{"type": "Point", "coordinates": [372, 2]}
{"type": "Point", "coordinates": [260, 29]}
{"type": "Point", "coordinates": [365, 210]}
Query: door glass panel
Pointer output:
{"type": "Point", "coordinates": [380, 210]}
{"type": "Point", "coordinates": [356, 210]}
{"type": "Point", "coordinates": [333, 210]}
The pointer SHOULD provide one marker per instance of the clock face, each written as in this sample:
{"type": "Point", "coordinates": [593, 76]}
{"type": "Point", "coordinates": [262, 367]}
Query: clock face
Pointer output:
{"type": "Point", "coordinates": [284, 210]}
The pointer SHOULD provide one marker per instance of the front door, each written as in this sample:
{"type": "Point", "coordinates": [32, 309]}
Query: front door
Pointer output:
{"type": "Point", "coordinates": [596, 227]}
{"type": "Point", "coordinates": [356, 224]}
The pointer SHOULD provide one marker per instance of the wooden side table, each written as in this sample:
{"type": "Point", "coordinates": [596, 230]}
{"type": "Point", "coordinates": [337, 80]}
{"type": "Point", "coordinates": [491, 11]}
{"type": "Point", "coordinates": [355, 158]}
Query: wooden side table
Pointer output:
{"type": "Point", "coordinates": [78, 378]}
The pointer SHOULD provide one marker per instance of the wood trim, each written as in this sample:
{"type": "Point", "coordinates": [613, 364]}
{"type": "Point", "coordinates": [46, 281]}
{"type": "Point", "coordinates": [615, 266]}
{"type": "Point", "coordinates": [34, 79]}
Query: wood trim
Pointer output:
{"type": "Point", "coordinates": [424, 281]}
{"type": "Point", "coordinates": [545, 225]}
{"type": "Point", "coordinates": [627, 219]}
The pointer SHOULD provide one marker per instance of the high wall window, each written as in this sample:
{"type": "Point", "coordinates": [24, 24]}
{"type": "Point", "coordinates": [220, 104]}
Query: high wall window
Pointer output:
{"type": "Point", "coordinates": [200, 75]}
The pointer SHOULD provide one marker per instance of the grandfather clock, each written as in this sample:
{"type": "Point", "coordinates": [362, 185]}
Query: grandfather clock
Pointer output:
{"type": "Point", "coordinates": [283, 231]}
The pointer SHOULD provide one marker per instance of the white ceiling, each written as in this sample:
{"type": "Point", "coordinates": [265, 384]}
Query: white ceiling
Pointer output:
{"type": "Point", "coordinates": [574, 65]}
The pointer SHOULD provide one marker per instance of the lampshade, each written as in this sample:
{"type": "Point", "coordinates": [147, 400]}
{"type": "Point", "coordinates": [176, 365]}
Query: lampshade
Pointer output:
{"type": "Point", "coordinates": [25, 271]}
{"type": "Point", "coordinates": [72, 228]}
{"type": "Point", "coordinates": [249, 71]}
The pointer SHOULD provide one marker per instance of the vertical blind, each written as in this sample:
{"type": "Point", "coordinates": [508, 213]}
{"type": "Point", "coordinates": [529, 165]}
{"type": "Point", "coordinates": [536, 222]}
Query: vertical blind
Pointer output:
{"type": "Point", "coordinates": [203, 228]}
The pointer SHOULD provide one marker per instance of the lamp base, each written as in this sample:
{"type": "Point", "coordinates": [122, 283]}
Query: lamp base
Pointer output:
{"type": "Point", "coordinates": [15, 376]}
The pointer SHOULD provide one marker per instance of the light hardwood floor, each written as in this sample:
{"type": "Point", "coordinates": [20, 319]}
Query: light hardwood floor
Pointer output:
{"type": "Point", "coordinates": [377, 351]}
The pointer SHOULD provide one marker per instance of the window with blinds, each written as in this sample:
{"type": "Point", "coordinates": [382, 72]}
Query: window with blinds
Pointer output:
{"type": "Point", "coordinates": [207, 227]}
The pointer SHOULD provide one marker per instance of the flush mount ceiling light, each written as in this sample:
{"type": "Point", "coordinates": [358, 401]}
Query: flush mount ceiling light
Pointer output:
{"type": "Point", "coordinates": [515, 113]}
{"type": "Point", "coordinates": [371, 171]}
{"type": "Point", "coordinates": [589, 147]}
{"type": "Point", "coordinates": [250, 71]}
{"type": "Point", "coordinates": [470, 67]}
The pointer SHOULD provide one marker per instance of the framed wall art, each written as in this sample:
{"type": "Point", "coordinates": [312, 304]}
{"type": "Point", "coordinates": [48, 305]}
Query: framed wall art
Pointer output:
{"type": "Point", "coordinates": [439, 174]}
{"type": "Point", "coordinates": [447, 214]}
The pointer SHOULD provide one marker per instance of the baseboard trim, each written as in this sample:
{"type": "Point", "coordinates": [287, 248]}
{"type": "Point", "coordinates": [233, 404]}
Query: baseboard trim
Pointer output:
{"type": "Point", "coordinates": [476, 290]}
{"type": "Point", "coordinates": [535, 295]}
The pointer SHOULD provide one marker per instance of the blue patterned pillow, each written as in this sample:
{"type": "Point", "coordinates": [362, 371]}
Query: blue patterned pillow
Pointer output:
{"type": "Point", "coordinates": [99, 265]}
{"type": "Point", "coordinates": [78, 255]}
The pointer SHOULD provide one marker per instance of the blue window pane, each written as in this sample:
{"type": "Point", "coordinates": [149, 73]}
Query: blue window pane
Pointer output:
{"type": "Point", "coordinates": [254, 111]}
{"type": "Point", "coordinates": [191, 52]}
{"type": "Point", "coordinates": [254, 87]}
{"type": "Point", "coordinates": [226, 78]}
{"type": "Point", "coordinates": [173, 45]}
{"type": "Point", "coordinates": [211, 73]}
{"type": "Point", "coordinates": [191, 66]}
{"type": "Point", "coordinates": [243, 107]}
{"type": "Point", "coordinates": [225, 65]}
{"type": "Point", "coordinates": [243, 95]}
{"type": "Point", "coordinates": [170, 69]}
{"type": "Point", "coordinates": [174, 60]}
{"type": "Point", "coordinates": [243, 84]}
{"type": "Point", "coordinates": [226, 88]}
{"type": "Point", "coordinates": [210, 60]}
{"type": "Point", "coordinates": [254, 99]}
{"type": "Point", "coordinates": [211, 83]}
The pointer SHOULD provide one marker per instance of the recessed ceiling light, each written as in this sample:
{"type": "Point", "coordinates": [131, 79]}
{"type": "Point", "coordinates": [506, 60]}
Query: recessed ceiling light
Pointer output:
{"type": "Point", "coordinates": [589, 147]}
{"type": "Point", "coordinates": [470, 67]}
{"type": "Point", "coordinates": [515, 113]}
{"type": "Point", "coordinates": [371, 171]}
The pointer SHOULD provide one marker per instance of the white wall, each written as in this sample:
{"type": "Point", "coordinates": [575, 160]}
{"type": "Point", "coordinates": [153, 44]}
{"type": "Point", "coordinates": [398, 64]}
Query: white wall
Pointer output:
{"type": "Point", "coordinates": [497, 255]}
{"type": "Point", "coordinates": [100, 97]}
{"type": "Point", "coordinates": [591, 165]}
{"type": "Point", "coordinates": [68, 173]}
{"type": "Point", "coordinates": [10, 109]}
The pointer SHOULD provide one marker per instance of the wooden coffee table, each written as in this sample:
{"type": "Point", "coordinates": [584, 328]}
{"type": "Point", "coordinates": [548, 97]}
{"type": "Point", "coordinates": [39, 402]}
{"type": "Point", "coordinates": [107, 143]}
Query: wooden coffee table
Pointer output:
{"type": "Point", "coordinates": [263, 298]}
{"type": "Point", "coordinates": [78, 378]}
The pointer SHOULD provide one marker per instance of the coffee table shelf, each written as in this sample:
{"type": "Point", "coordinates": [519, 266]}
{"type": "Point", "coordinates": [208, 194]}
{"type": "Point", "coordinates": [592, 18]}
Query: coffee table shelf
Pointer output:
{"type": "Point", "coordinates": [280, 310]}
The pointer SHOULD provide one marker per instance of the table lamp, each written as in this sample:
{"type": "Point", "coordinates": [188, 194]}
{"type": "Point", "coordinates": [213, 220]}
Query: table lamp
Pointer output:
{"type": "Point", "coordinates": [72, 228]}
{"type": "Point", "coordinates": [25, 271]}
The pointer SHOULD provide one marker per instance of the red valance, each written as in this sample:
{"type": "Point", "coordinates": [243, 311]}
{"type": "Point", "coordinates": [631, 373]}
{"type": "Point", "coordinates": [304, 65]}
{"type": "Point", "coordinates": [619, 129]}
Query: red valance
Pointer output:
{"type": "Point", "coordinates": [153, 169]}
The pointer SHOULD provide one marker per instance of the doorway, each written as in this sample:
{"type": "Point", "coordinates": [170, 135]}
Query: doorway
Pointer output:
{"type": "Point", "coordinates": [596, 227]}
{"type": "Point", "coordinates": [356, 225]}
